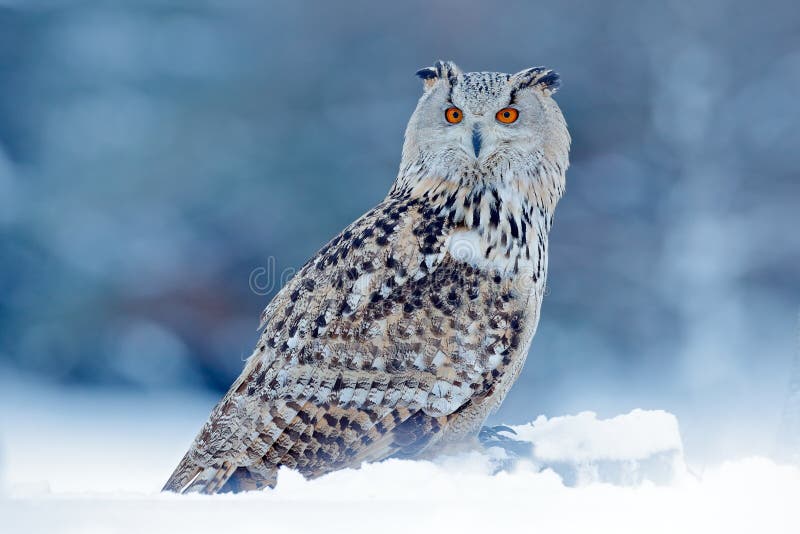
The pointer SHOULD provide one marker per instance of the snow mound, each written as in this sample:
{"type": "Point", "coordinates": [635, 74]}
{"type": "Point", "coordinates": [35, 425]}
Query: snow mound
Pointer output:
{"type": "Point", "coordinates": [583, 437]}
{"type": "Point", "coordinates": [626, 449]}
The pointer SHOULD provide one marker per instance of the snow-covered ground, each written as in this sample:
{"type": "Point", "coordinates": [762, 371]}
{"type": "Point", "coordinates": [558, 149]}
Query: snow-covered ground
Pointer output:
{"type": "Point", "coordinates": [94, 461]}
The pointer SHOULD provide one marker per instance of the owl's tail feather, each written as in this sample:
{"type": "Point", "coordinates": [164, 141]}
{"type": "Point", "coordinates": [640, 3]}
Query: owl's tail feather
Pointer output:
{"type": "Point", "coordinates": [211, 479]}
{"type": "Point", "coordinates": [193, 478]}
{"type": "Point", "coordinates": [190, 477]}
{"type": "Point", "coordinates": [184, 475]}
{"type": "Point", "coordinates": [227, 477]}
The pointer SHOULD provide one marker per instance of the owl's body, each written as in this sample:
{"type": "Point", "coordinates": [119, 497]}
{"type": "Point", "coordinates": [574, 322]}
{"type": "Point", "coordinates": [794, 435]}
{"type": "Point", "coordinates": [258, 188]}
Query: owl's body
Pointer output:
{"type": "Point", "coordinates": [404, 332]}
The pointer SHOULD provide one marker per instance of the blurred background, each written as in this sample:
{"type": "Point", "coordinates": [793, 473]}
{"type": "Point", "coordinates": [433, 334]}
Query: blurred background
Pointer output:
{"type": "Point", "coordinates": [159, 157]}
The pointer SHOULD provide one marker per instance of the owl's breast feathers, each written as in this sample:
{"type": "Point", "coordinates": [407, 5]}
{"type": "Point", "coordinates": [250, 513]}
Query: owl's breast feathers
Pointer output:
{"type": "Point", "coordinates": [382, 341]}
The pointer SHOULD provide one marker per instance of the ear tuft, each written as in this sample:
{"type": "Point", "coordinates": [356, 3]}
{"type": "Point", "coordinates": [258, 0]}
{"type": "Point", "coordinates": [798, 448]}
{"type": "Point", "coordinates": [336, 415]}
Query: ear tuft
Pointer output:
{"type": "Point", "coordinates": [427, 73]}
{"type": "Point", "coordinates": [545, 79]}
{"type": "Point", "coordinates": [441, 70]}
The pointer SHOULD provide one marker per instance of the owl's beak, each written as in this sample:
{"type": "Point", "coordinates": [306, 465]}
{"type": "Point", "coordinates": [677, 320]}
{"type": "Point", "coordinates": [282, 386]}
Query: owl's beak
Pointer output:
{"type": "Point", "coordinates": [477, 139]}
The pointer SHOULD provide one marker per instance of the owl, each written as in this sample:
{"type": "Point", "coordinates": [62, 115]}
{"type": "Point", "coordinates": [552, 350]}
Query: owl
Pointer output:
{"type": "Point", "coordinates": [405, 331]}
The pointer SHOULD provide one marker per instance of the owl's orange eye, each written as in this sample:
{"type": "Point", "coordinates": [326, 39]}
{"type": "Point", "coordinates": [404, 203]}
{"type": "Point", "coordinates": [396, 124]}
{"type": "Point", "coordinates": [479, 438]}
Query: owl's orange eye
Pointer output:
{"type": "Point", "coordinates": [507, 115]}
{"type": "Point", "coordinates": [453, 115]}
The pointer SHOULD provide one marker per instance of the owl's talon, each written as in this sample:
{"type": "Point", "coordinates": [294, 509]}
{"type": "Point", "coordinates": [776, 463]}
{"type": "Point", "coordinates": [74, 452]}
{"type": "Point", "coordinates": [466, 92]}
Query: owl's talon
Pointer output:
{"type": "Point", "coordinates": [494, 433]}
{"type": "Point", "coordinates": [494, 437]}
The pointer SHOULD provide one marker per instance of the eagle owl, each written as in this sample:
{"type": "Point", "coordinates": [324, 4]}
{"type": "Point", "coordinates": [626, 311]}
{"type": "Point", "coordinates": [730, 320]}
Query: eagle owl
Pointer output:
{"type": "Point", "coordinates": [405, 331]}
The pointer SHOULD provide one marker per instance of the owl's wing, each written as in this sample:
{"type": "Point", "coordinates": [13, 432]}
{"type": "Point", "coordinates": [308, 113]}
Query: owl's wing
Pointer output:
{"type": "Point", "coordinates": [363, 354]}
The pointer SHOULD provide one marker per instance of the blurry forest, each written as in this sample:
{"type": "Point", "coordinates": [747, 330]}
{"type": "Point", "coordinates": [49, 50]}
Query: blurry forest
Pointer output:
{"type": "Point", "coordinates": [153, 154]}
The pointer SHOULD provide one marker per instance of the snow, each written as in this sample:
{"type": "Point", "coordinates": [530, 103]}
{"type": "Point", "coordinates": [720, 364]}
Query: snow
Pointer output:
{"type": "Point", "coordinates": [626, 449]}
{"type": "Point", "coordinates": [583, 437]}
{"type": "Point", "coordinates": [94, 461]}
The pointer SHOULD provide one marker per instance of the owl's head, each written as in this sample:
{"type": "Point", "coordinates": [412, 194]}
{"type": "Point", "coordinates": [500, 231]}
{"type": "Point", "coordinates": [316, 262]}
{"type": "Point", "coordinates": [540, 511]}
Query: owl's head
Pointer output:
{"type": "Point", "coordinates": [479, 125]}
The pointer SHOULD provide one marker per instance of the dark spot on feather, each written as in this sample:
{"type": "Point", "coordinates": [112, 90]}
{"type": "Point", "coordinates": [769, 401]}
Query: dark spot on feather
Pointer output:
{"type": "Point", "coordinates": [338, 384]}
{"type": "Point", "coordinates": [494, 216]}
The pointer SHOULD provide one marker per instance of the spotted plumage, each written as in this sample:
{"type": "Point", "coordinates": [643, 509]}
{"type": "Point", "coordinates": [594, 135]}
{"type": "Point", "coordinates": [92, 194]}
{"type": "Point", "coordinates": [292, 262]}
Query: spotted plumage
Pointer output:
{"type": "Point", "coordinates": [403, 333]}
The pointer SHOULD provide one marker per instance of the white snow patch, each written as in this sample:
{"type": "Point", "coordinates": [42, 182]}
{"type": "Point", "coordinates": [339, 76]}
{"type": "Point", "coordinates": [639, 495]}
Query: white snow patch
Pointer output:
{"type": "Point", "coordinates": [94, 463]}
{"type": "Point", "coordinates": [583, 437]}
{"type": "Point", "coordinates": [459, 495]}
{"type": "Point", "coordinates": [626, 449]}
